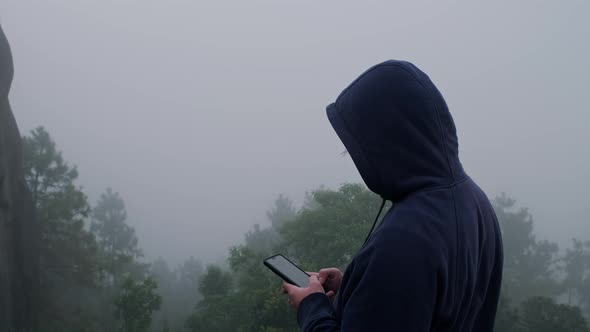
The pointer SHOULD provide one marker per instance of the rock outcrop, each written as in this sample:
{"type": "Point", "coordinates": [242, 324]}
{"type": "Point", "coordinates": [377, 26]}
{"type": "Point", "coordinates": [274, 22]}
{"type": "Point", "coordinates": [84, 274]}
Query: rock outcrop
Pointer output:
{"type": "Point", "coordinates": [19, 233]}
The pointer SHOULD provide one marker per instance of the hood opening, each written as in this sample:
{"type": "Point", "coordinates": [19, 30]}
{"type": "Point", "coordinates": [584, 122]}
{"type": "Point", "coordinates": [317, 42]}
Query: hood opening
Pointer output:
{"type": "Point", "coordinates": [398, 130]}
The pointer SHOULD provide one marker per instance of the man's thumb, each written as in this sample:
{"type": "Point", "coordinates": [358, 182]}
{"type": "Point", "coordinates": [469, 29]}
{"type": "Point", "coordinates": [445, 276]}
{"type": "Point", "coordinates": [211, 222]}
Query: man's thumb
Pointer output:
{"type": "Point", "coordinates": [287, 287]}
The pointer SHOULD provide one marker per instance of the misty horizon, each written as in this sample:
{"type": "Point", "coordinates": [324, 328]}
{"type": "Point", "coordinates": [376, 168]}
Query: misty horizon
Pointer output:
{"type": "Point", "coordinates": [200, 115]}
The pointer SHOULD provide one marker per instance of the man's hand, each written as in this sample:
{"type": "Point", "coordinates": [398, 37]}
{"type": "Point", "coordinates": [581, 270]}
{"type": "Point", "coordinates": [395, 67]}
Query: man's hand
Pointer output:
{"type": "Point", "coordinates": [331, 279]}
{"type": "Point", "coordinates": [297, 294]}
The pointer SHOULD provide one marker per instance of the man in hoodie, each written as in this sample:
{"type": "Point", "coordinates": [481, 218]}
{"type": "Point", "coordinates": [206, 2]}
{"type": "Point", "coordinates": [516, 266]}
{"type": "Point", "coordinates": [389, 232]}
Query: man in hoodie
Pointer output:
{"type": "Point", "coordinates": [435, 261]}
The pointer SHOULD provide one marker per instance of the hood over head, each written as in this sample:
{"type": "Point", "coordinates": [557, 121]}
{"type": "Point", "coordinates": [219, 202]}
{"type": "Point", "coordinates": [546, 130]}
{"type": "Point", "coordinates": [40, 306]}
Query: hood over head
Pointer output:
{"type": "Point", "coordinates": [398, 130]}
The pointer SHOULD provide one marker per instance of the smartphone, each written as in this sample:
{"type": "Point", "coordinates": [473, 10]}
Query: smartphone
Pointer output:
{"type": "Point", "coordinates": [287, 270]}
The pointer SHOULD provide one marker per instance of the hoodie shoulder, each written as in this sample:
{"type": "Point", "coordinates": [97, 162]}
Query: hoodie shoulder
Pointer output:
{"type": "Point", "coordinates": [430, 214]}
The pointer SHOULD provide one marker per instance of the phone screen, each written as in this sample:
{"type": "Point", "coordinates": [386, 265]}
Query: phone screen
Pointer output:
{"type": "Point", "coordinates": [287, 270]}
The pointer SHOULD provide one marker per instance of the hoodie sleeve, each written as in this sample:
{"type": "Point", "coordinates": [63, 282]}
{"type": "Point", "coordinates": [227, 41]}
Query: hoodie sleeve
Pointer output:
{"type": "Point", "coordinates": [396, 289]}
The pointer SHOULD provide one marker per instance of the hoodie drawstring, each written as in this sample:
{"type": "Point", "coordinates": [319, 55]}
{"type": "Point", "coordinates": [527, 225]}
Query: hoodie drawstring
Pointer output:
{"type": "Point", "coordinates": [375, 222]}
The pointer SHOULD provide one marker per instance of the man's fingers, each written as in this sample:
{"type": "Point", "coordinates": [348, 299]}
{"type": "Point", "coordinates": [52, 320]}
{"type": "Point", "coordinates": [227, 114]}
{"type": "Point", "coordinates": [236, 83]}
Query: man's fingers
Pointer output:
{"type": "Point", "coordinates": [330, 294]}
{"type": "Point", "coordinates": [317, 275]}
{"type": "Point", "coordinates": [285, 287]}
{"type": "Point", "coordinates": [314, 283]}
{"type": "Point", "coordinates": [329, 273]}
{"type": "Point", "coordinates": [325, 274]}
{"type": "Point", "coordinates": [288, 288]}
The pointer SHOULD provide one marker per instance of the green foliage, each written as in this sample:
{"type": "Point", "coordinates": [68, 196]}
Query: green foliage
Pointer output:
{"type": "Point", "coordinates": [87, 276]}
{"type": "Point", "coordinates": [75, 295]}
{"type": "Point", "coordinates": [119, 255]}
{"type": "Point", "coordinates": [179, 291]}
{"type": "Point", "coordinates": [338, 220]}
{"type": "Point", "coordinates": [187, 287]}
{"type": "Point", "coordinates": [215, 283]}
{"type": "Point", "coordinates": [136, 303]}
{"type": "Point", "coordinates": [245, 299]}
{"type": "Point", "coordinates": [249, 292]}
{"type": "Point", "coordinates": [541, 314]}
{"type": "Point", "coordinates": [576, 283]}
{"type": "Point", "coordinates": [530, 266]}
{"type": "Point", "coordinates": [166, 280]}
{"type": "Point", "coordinates": [282, 212]}
{"type": "Point", "coordinates": [336, 227]}
{"type": "Point", "coordinates": [214, 312]}
{"type": "Point", "coordinates": [507, 317]}
{"type": "Point", "coordinates": [117, 240]}
{"type": "Point", "coordinates": [68, 250]}
{"type": "Point", "coordinates": [263, 241]}
{"type": "Point", "coordinates": [259, 290]}
{"type": "Point", "coordinates": [531, 277]}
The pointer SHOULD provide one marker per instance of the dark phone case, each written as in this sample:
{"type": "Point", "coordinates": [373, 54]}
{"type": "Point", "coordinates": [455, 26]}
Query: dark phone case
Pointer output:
{"type": "Point", "coordinates": [279, 273]}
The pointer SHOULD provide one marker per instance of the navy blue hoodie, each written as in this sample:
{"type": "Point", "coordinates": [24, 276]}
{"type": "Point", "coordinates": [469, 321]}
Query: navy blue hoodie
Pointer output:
{"type": "Point", "coordinates": [435, 261]}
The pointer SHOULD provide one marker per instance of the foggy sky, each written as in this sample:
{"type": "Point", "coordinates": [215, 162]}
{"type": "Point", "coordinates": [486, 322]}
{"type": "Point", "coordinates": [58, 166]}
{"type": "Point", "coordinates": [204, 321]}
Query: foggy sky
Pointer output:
{"type": "Point", "coordinates": [200, 113]}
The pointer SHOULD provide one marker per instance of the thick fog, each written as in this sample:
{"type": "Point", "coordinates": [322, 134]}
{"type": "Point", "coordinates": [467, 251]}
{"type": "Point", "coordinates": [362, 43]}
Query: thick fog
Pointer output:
{"type": "Point", "coordinates": [200, 113]}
